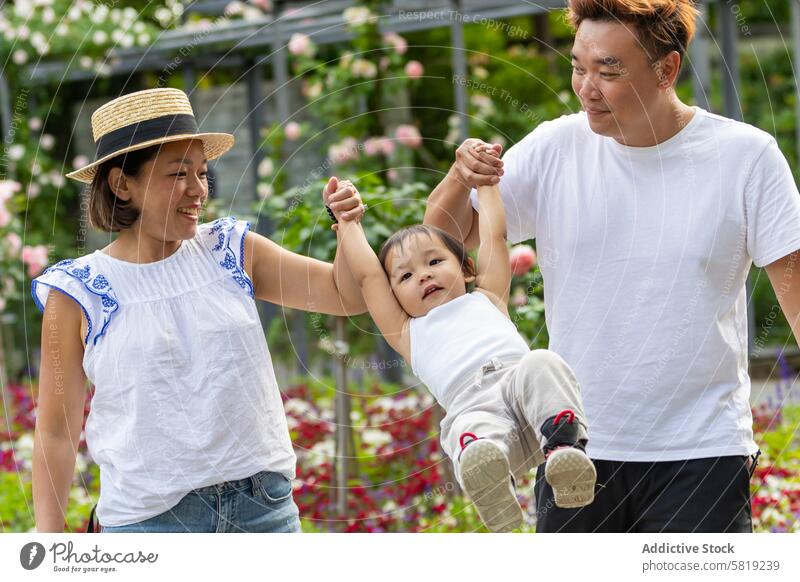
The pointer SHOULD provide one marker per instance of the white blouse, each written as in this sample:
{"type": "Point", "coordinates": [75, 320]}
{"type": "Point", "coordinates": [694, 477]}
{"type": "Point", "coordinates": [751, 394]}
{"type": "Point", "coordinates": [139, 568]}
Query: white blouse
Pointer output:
{"type": "Point", "coordinates": [185, 392]}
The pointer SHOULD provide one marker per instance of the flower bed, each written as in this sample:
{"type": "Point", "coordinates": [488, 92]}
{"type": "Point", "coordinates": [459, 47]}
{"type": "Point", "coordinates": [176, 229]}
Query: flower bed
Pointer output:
{"type": "Point", "coordinates": [401, 479]}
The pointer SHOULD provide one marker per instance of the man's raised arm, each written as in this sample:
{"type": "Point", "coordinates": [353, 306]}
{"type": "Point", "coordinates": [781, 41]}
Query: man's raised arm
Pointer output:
{"type": "Point", "coordinates": [449, 206]}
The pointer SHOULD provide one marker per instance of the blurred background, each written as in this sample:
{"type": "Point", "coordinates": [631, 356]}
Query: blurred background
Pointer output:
{"type": "Point", "coordinates": [380, 92]}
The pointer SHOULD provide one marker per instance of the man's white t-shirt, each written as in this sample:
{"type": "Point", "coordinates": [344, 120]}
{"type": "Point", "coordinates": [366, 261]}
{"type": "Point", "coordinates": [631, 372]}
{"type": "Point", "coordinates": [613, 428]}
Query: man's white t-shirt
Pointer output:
{"type": "Point", "coordinates": [644, 252]}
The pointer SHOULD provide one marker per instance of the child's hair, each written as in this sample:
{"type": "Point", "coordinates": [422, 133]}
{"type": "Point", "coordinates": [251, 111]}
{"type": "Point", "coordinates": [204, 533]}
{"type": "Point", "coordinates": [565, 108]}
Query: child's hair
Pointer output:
{"type": "Point", "coordinates": [452, 244]}
{"type": "Point", "coordinates": [662, 26]}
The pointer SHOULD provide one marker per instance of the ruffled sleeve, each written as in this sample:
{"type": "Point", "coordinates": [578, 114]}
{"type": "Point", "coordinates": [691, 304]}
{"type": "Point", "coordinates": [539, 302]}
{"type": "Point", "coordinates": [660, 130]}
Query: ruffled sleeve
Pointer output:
{"type": "Point", "coordinates": [225, 239]}
{"type": "Point", "coordinates": [88, 288]}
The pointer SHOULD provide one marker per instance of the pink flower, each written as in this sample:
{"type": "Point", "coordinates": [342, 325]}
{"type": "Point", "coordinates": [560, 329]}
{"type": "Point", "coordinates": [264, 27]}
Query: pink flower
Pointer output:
{"type": "Point", "coordinates": [372, 146]}
{"type": "Point", "coordinates": [345, 151]}
{"type": "Point", "coordinates": [5, 217]}
{"type": "Point", "coordinates": [292, 131]}
{"type": "Point", "coordinates": [392, 175]}
{"type": "Point", "coordinates": [398, 43]}
{"type": "Point", "coordinates": [414, 69]}
{"type": "Point", "coordinates": [300, 45]}
{"type": "Point", "coordinates": [387, 146]}
{"type": "Point", "coordinates": [14, 243]}
{"type": "Point", "coordinates": [408, 135]}
{"type": "Point", "coordinates": [79, 162]}
{"type": "Point", "coordinates": [519, 298]}
{"type": "Point", "coordinates": [522, 259]}
{"type": "Point", "coordinates": [35, 258]}
{"type": "Point", "coordinates": [7, 189]}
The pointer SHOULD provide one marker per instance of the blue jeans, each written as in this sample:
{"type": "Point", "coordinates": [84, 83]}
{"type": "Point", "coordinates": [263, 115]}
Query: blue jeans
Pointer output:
{"type": "Point", "coordinates": [261, 503]}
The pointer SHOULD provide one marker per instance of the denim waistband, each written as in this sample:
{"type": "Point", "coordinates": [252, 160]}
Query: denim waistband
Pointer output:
{"type": "Point", "coordinates": [251, 482]}
{"type": "Point", "coordinates": [471, 378]}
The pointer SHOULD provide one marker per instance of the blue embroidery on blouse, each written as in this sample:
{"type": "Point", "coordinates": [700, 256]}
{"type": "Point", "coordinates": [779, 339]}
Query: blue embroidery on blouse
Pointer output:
{"type": "Point", "coordinates": [222, 227]}
{"type": "Point", "coordinates": [97, 285]}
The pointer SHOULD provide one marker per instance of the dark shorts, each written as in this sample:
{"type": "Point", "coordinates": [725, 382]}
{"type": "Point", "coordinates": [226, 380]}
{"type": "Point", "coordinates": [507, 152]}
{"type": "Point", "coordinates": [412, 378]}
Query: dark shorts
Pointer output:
{"type": "Point", "coordinates": [700, 495]}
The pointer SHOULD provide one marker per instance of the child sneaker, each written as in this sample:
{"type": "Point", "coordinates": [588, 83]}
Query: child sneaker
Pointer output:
{"type": "Point", "coordinates": [486, 475]}
{"type": "Point", "coordinates": [568, 470]}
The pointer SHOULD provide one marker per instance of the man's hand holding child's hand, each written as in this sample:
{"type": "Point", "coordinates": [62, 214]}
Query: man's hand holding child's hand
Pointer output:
{"type": "Point", "coordinates": [342, 197]}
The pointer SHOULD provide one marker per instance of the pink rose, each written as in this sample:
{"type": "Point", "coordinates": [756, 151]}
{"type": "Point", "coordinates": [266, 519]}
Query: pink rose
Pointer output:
{"type": "Point", "coordinates": [14, 243]}
{"type": "Point", "coordinates": [301, 45]}
{"type": "Point", "coordinates": [372, 147]}
{"type": "Point", "coordinates": [398, 43]}
{"type": "Point", "coordinates": [522, 259]}
{"type": "Point", "coordinates": [5, 216]}
{"type": "Point", "coordinates": [345, 151]}
{"type": "Point", "coordinates": [519, 298]}
{"type": "Point", "coordinates": [414, 69]}
{"type": "Point", "coordinates": [408, 135]}
{"type": "Point", "coordinates": [35, 258]}
{"type": "Point", "coordinates": [7, 189]}
{"type": "Point", "coordinates": [387, 146]}
{"type": "Point", "coordinates": [292, 131]}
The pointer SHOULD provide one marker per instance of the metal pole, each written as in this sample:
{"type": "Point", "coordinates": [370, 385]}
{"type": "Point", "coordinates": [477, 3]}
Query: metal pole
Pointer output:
{"type": "Point", "coordinates": [796, 43]}
{"type": "Point", "coordinates": [459, 63]}
{"type": "Point", "coordinates": [733, 109]}
{"type": "Point", "coordinates": [700, 60]}
{"type": "Point", "coordinates": [730, 58]}
{"type": "Point", "coordinates": [342, 407]}
{"type": "Point", "coordinates": [5, 107]}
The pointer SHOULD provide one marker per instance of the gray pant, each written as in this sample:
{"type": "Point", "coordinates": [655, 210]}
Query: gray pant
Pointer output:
{"type": "Point", "coordinates": [507, 401]}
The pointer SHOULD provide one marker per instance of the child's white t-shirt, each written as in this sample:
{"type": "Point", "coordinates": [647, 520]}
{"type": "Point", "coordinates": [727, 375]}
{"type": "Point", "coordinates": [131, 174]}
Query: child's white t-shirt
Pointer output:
{"type": "Point", "coordinates": [453, 340]}
{"type": "Point", "coordinates": [185, 393]}
{"type": "Point", "coordinates": [644, 252]}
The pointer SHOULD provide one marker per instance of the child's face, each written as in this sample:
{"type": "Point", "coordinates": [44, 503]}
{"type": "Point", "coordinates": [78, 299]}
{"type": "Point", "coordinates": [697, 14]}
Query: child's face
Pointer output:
{"type": "Point", "coordinates": [424, 273]}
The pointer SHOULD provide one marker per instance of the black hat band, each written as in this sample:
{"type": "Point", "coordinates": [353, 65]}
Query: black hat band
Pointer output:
{"type": "Point", "coordinates": [143, 131]}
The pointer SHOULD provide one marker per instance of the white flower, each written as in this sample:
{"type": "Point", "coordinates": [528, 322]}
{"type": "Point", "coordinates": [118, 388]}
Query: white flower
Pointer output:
{"type": "Point", "coordinates": [16, 151]}
{"type": "Point", "coordinates": [143, 39]}
{"type": "Point", "coordinates": [33, 190]}
{"type": "Point", "coordinates": [57, 179]}
{"type": "Point", "coordinates": [99, 37]}
{"type": "Point", "coordinates": [264, 190]}
{"type": "Point", "coordinates": [20, 57]}
{"type": "Point", "coordinates": [23, 32]}
{"type": "Point", "coordinates": [62, 29]}
{"type": "Point", "coordinates": [234, 9]}
{"type": "Point", "coordinates": [297, 407]}
{"type": "Point", "coordinates": [24, 446]}
{"type": "Point", "coordinates": [358, 15]}
{"type": "Point", "coordinates": [265, 168]}
{"type": "Point", "coordinates": [375, 438]}
{"type": "Point", "coordinates": [47, 141]}
{"type": "Point", "coordinates": [364, 68]}
{"type": "Point", "coordinates": [85, 62]}
{"type": "Point", "coordinates": [35, 123]}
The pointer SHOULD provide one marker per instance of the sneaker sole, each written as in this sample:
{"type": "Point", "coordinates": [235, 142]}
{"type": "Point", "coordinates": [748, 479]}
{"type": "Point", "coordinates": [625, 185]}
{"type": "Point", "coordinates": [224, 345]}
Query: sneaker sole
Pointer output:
{"type": "Point", "coordinates": [572, 476]}
{"type": "Point", "coordinates": [486, 475]}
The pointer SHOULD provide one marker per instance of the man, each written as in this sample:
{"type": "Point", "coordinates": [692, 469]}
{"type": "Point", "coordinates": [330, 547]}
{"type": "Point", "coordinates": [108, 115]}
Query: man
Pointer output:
{"type": "Point", "coordinates": [647, 215]}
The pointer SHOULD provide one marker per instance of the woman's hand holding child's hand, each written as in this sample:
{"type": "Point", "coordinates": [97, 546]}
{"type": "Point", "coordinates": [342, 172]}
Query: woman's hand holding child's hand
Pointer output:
{"type": "Point", "coordinates": [342, 197]}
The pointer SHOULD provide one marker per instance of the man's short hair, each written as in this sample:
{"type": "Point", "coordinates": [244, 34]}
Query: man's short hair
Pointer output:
{"type": "Point", "coordinates": [662, 26]}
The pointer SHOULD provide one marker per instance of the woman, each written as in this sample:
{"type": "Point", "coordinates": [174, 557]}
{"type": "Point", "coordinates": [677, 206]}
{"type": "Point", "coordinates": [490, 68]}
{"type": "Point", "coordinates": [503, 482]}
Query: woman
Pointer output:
{"type": "Point", "coordinates": [187, 424]}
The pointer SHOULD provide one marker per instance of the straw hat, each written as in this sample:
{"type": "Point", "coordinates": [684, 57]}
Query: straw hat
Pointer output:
{"type": "Point", "coordinates": [142, 119]}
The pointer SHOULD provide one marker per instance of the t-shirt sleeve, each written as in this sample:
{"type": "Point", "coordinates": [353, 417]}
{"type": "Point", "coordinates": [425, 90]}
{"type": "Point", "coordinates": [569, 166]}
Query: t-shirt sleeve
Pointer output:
{"type": "Point", "coordinates": [772, 204]}
{"type": "Point", "coordinates": [518, 190]}
{"type": "Point", "coordinates": [225, 239]}
{"type": "Point", "coordinates": [89, 289]}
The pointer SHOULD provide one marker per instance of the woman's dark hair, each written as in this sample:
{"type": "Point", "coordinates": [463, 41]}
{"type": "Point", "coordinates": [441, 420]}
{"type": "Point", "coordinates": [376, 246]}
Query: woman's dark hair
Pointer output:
{"type": "Point", "coordinates": [452, 244]}
{"type": "Point", "coordinates": [106, 211]}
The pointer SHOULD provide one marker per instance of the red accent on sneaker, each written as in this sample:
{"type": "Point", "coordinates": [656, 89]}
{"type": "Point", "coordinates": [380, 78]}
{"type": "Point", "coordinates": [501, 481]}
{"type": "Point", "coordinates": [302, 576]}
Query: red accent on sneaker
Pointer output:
{"type": "Point", "coordinates": [562, 414]}
{"type": "Point", "coordinates": [466, 435]}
